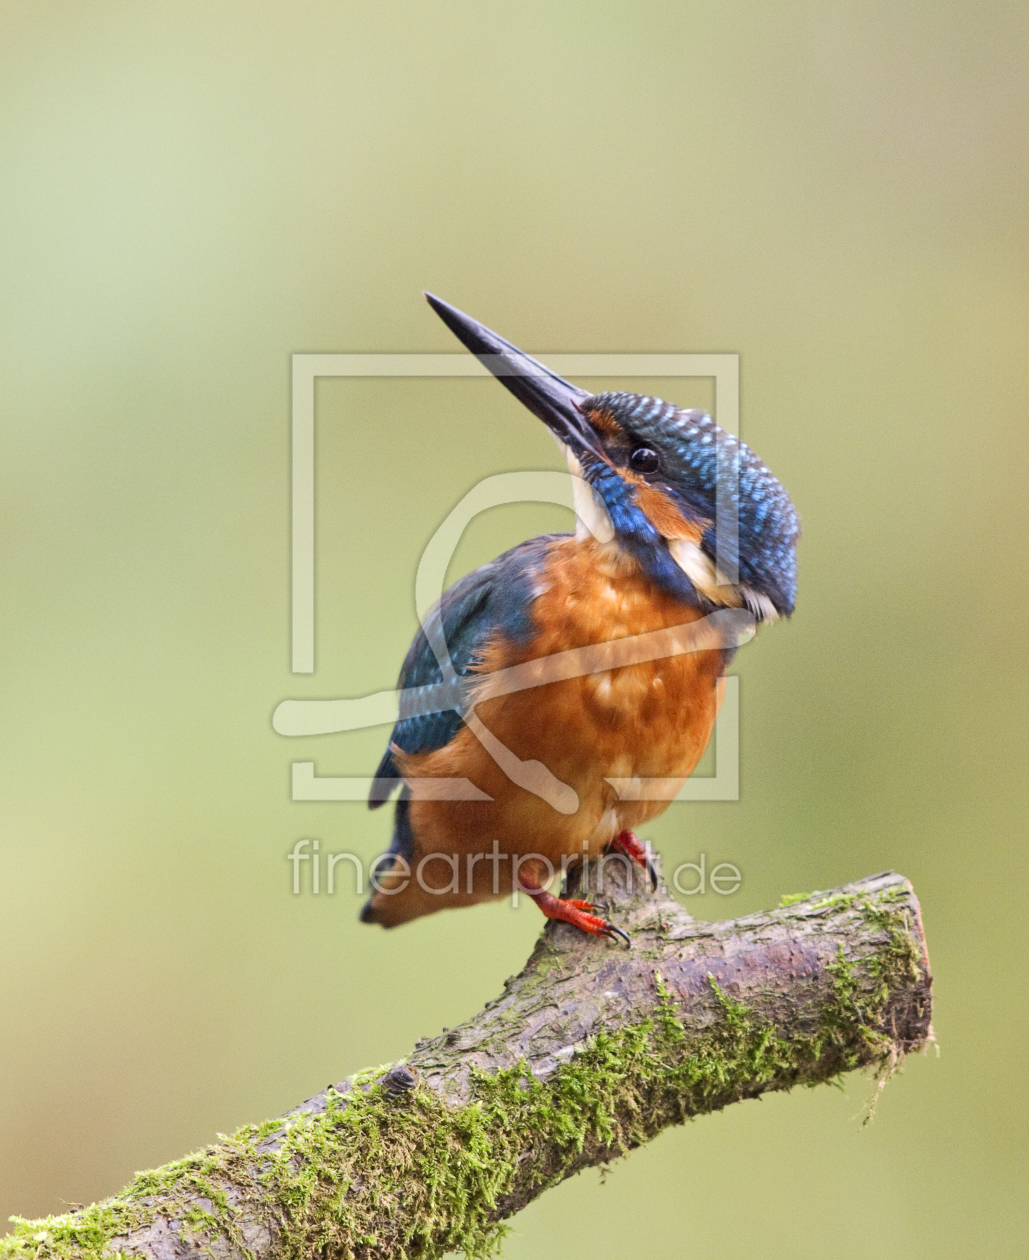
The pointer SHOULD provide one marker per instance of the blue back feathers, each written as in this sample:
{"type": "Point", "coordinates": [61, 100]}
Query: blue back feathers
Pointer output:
{"type": "Point", "coordinates": [497, 598]}
{"type": "Point", "coordinates": [493, 599]}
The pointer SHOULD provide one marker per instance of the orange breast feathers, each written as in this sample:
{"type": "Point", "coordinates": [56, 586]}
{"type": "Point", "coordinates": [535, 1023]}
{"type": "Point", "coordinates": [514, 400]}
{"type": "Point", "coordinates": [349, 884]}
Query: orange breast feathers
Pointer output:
{"type": "Point", "coordinates": [651, 719]}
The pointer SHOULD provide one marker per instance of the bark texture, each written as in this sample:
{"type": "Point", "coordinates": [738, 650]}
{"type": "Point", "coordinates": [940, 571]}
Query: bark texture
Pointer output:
{"type": "Point", "coordinates": [592, 1050]}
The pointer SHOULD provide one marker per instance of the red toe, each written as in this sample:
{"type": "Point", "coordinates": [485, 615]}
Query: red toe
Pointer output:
{"type": "Point", "coordinates": [576, 913]}
{"type": "Point", "coordinates": [639, 853]}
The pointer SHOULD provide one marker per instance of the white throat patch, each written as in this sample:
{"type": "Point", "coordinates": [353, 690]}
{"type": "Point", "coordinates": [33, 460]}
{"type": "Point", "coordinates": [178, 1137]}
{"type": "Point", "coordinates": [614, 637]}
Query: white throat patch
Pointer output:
{"type": "Point", "coordinates": [591, 516]}
{"type": "Point", "coordinates": [592, 521]}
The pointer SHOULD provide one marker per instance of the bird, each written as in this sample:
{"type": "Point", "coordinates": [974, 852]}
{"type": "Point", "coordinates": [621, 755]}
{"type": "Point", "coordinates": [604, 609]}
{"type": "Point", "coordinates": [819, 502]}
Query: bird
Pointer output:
{"type": "Point", "coordinates": [563, 670]}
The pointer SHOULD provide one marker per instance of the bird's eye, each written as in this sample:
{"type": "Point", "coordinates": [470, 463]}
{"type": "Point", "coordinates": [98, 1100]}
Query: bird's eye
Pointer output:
{"type": "Point", "coordinates": [644, 460]}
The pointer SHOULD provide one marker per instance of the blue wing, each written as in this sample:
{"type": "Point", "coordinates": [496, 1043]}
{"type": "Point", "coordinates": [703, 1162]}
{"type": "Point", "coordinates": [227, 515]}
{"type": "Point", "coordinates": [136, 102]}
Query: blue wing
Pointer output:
{"type": "Point", "coordinates": [495, 598]}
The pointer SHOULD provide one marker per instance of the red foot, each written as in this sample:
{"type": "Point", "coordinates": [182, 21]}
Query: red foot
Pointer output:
{"type": "Point", "coordinates": [628, 844]}
{"type": "Point", "coordinates": [576, 913]}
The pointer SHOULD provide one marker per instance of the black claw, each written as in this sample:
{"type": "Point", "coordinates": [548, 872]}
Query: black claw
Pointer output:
{"type": "Point", "coordinates": [611, 931]}
{"type": "Point", "coordinates": [652, 872]}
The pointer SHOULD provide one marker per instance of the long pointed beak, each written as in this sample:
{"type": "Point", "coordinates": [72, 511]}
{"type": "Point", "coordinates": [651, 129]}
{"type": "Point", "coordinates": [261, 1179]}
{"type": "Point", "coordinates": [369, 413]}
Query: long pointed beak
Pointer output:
{"type": "Point", "coordinates": [549, 397]}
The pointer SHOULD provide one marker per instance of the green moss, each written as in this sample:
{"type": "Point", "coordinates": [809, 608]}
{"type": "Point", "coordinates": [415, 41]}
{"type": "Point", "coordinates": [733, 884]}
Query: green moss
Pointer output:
{"type": "Point", "coordinates": [434, 1178]}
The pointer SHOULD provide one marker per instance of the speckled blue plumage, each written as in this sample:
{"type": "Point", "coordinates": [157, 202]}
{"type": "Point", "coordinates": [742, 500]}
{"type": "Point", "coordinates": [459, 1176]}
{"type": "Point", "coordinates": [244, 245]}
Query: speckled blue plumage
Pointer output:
{"type": "Point", "coordinates": [696, 453]}
{"type": "Point", "coordinates": [497, 598]}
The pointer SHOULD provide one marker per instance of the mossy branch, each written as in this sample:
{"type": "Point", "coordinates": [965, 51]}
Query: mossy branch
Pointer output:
{"type": "Point", "coordinates": [590, 1052]}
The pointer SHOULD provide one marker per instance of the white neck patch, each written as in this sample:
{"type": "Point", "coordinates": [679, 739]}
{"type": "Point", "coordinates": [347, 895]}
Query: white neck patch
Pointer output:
{"type": "Point", "coordinates": [593, 521]}
{"type": "Point", "coordinates": [704, 573]}
{"type": "Point", "coordinates": [712, 584]}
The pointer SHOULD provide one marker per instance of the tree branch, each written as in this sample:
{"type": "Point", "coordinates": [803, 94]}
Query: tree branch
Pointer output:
{"type": "Point", "coordinates": [591, 1051]}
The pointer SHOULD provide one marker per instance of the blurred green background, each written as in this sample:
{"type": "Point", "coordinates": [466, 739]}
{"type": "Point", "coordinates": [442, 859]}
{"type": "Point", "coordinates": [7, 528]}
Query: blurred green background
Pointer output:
{"type": "Point", "coordinates": [191, 192]}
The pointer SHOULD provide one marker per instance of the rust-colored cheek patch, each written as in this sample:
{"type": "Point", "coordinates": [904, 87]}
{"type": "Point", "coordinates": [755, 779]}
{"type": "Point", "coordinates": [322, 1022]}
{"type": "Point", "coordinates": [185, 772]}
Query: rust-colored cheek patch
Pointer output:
{"type": "Point", "coordinates": [665, 516]}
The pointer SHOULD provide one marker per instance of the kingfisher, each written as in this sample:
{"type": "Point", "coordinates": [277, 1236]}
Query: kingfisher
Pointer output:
{"type": "Point", "coordinates": [574, 681]}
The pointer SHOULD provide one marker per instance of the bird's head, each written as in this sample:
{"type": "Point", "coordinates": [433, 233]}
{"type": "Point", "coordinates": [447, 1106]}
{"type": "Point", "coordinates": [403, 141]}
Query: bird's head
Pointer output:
{"type": "Point", "coordinates": [687, 502]}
